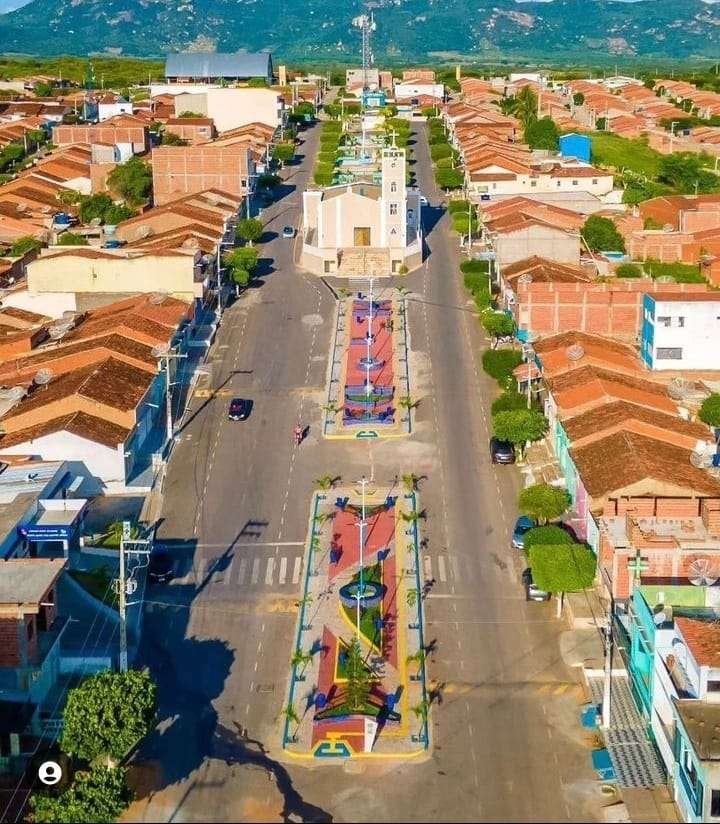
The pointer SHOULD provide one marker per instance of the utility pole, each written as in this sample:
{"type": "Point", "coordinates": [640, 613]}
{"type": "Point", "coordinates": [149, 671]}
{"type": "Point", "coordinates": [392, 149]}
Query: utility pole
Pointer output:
{"type": "Point", "coordinates": [608, 649]}
{"type": "Point", "coordinates": [164, 354]}
{"type": "Point", "coordinates": [126, 586]}
{"type": "Point", "coordinates": [361, 583]}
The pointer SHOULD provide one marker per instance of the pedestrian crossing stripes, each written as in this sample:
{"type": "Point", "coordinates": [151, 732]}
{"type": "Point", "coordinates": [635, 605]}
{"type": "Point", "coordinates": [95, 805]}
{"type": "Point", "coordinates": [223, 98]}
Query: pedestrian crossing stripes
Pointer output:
{"type": "Point", "coordinates": [244, 571]}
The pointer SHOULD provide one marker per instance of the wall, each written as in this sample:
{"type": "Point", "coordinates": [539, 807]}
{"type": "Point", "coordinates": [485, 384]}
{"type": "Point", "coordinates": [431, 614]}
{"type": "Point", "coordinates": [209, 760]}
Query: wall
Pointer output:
{"type": "Point", "coordinates": [231, 108]}
{"type": "Point", "coordinates": [340, 215]}
{"type": "Point", "coordinates": [172, 274]}
{"type": "Point", "coordinates": [184, 170]}
{"type": "Point", "coordinates": [694, 343]}
{"type": "Point", "coordinates": [554, 244]}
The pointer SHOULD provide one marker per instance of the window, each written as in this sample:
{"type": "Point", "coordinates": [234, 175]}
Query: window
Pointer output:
{"type": "Point", "coordinates": [494, 185]}
{"type": "Point", "coordinates": [574, 183]}
{"type": "Point", "coordinates": [594, 181]}
{"type": "Point", "coordinates": [715, 803]}
{"type": "Point", "coordinates": [669, 353]}
{"type": "Point", "coordinates": [30, 629]}
{"type": "Point", "coordinates": [393, 208]}
{"type": "Point", "coordinates": [679, 322]}
{"type": "Point", "coordinates": [533, 184]}
{"type": "Point", "coordinates": [393, 186]}
{"type": "Point", "coordinates": [559, 182]}
{"type": "Point", "coordinates": [664, 320]}
{"type": "Point", "coordinates": [713, 686]}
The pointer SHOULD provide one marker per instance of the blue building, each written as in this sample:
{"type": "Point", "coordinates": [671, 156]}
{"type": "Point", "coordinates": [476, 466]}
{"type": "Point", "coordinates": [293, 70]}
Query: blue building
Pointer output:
{"type": "Point", "coordinates": [576, 145]}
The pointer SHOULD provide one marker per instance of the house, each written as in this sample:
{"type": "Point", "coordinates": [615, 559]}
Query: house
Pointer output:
{"type": "Point", "coordinates": [361, 227]}
{"type": "Point", "coordinates": [685, 530]}
{"type": "Point", "coordinates": [193, 129]}
{"type": "Point", "coordinates": [218, 67]}
{"type": "Point", "coordinates": [675, 669]}
{"type": "Point", "coordinates": [230, 108]}
{"type": "Point", "coordinates": [179, 171]}
{"type": "Point", "coordinates": [681, 331]}
{"type": "Point", "coordinates": [30, 633]}
{"type": "Point", "coordinates": [519, 237]}
{"type": "Point", "coordinates": [109, 104]}
{"type": "Point", "coordinates": [121, 131]}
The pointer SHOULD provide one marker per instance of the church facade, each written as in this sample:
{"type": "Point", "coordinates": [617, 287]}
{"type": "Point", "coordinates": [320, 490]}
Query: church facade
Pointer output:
{"type": "Point", "coordinates": [362, 228]}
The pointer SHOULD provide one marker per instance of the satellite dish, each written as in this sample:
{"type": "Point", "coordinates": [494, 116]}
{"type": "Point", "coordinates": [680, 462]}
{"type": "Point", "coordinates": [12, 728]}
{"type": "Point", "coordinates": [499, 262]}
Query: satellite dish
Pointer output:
{"type": "Point", "coordinates": [659, 617]}
{"type": "Point", "coordinates": [160, 350]}
{"type": "Point", "coordinates": [43, 377]}
{"type": "Point", "coordinates": [145, 231]}
{"type": "Point", "coordinates": [677, 388]}
{"type": "Point", "coordinates": [525, 279]}
{"type": "Point", "coordinates": [668, 227]}
{"type": "Point", "coordinates": [156, 298]}
{"type": "Point", "coordinates": [700, 460]}
{"type": "Point", "coordinates": [575, 352]}
{"type": "Point", "coordinates": [701, 572]}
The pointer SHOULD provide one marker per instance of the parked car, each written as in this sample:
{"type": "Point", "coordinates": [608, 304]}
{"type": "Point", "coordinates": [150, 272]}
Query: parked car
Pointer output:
{"type": "Point", "coordinates": [522, 525]}
{"type": "Point", "coordinates": [288, 232]}
{"type": "Point", "coordinates": [423, 200]}
{"type": "Point", "coordinates": [160, 568]}
{"type": "Point", "coordinates": [501, 452]}
{"type": "Point", "coordinates": [239, 409]}
{"type": "Point", "coordinates": [532, 592]}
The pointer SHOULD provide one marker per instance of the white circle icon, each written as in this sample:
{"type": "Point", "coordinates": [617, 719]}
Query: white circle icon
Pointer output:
{"type": "Point", "coordinates": [50, 773]}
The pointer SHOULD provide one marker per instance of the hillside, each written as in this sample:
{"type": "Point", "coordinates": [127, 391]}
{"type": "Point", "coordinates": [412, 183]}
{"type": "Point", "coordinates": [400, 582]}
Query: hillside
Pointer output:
{"type": "Point", "coordinates": [436, 30]}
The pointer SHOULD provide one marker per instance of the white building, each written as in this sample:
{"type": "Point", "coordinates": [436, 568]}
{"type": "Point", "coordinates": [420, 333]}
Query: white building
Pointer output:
{"type": "Point", "coordinates": [230, 108]}
{"type": "Point", "coordinates": [681, 331]}
{"type": "Point", "coordinates": [364, 228]}
{"type": "Point", "coordinates": [112, 108]}
{"type": "Point", "coordinates": [410, 89]}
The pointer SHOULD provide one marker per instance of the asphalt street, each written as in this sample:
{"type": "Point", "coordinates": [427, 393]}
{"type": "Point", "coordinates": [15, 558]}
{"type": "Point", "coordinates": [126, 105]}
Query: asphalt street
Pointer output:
{"type": "Point", "coordinates": [506, 738]}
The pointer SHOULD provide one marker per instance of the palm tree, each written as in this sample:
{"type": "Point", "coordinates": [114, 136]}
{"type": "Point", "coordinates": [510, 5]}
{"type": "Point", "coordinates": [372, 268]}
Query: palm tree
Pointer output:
{"type": "Point", "coordinates": [300, 659]}
{"type": "Point", "coordinates": [421, 709]}
{"type": "Point", "coordinates": [411, 597]}
{"type": "Point", "coordinates": [410, 482]}
{"type": "Point", "coordinates": [332, 407]}
{"type": "Point", "coordinates": [292, 717]}
{"type": "Point", "coordinates": [526, 105]}
{"type": "Point", "coordinates": [507, 105]}
{"type": "Point", "coordinates": [406, 402]}
{"type": "Point", "coordinates": [413, 516]}
{"type": "Point", "coordinates": [359, 678]}
{"type": "Point", "coordinates": [325, 482]}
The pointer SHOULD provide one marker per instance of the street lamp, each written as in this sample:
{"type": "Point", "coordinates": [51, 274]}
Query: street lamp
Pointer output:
{"type": "Point", "coordinates": [361, 583]}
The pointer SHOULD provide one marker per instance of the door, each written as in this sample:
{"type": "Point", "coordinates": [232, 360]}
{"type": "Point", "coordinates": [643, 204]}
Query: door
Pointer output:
{"type": "Point", "coordinates": [361, 236]}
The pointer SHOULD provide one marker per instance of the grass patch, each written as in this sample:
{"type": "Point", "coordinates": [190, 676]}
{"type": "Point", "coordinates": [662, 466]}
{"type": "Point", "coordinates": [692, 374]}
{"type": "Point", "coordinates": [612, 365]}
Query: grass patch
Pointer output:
{"type": "Point", "coordinates": [97, 583]}
{"type": "Point", "coordinates": [623, 153]}
{"type": "Point", "coordinates": [680, 272]}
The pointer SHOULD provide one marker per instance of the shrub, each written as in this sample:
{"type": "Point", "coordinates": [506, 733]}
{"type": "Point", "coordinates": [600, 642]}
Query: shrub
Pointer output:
{"type": "Point", "coordinates": [710, 410]}
{"type": "Point", "coordinates": [322, 178]}
{"type": "Point", "coordinates": [71, 239]}
{"type": "Point", "coordinates": [551, 535]}
{"type": "Point", "coordinates": [601, 235]}
{"type": "Point", "coordinates": [628, 270]}
{"type": "Point", "coordinates": [449, 178]}
{"type": "Point", "coordinates": [477, 282]}
{"type": "Point", "coordinates": [499, 364]}
{"type": "Point", "coordinates": [457, 206]}
{"type": "Point", "coordinates": [440, 150]}
{"type": "Point", "coordinates": [509, 401]}
{"type": "Point", "coordinates": [472, 265]}
{"type": "Point", "coordinates": [23, 245]}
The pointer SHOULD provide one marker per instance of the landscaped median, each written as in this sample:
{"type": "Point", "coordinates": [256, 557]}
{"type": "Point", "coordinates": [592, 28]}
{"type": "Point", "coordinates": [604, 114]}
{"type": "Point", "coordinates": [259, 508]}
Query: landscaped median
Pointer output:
{"type": "Point", "coordinates": [368, 380]}
{"type": "Point", "coordinates": [357, 669]}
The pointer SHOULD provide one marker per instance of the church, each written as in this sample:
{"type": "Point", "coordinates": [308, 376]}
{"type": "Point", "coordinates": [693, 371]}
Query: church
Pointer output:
{"type": "Point", "coordinates": [364, 229]}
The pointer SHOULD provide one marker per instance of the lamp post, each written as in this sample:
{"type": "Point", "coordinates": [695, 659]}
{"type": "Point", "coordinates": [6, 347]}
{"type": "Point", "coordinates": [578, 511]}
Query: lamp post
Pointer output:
{"type": "Point", "coordinates": [361, 583]}
{"type": "Point", "coordinates": [368, 346]}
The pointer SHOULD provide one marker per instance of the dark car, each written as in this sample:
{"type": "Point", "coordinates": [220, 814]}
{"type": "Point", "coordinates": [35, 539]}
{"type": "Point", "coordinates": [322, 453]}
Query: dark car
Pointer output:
{"type": "Point", "coordinates": [532, 592]}
{"type": "Point", "coordinates": [239, 409]}
{"type": "Point", "coordinates": [501, 452]}
{"type": "Point", "coordinates": [522, 525]}
{"type": "Point", "coordinates": [288, 232]}
{"type": "Point", "coordinates": [160, 568]}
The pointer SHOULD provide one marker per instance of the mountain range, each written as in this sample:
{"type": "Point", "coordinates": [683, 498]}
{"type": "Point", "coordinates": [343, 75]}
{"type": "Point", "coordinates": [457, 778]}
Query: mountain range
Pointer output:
{"type": "Point", "coordinates": [407, 30]}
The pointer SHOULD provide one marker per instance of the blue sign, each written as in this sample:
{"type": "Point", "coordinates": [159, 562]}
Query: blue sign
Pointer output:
{"type": "Point", "coordinates": [45, 532]}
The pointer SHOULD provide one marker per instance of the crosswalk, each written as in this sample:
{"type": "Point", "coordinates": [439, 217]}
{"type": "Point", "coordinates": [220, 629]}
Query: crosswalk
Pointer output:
{"type": "Point", "coordinates": [258, 568]}
{"type": "Point", "coordinates": [244, 571]}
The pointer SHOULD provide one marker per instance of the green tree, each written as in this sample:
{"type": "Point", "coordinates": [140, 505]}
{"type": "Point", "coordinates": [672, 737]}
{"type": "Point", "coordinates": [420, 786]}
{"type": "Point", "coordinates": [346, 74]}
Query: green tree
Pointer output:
{"type": "Point", "coordinates": [500, 363]}
{"type": "Point", "coordinates": [250, 229]}
{"type": "Point", "coordinates": [628, 270]}
{"type": "Point", "coordinates": [268, 181]}
{"type": "Point", "coordinates": [108, 714]}
{"type": "Point", "coordinates": [440, 150]}
{"type": "Point", "coordinates": [542, 134]}
{"type": "Point", "coordinates": [257, 83]}
{"type": "Point", "coordinates": [497, 325]}
{"type": "Point", "coordinates": [509, 401]}
{"type": "Point", "coordinates": [449, 178]}
{"type": "Point", "coordinates": [520, 426]}
{"type": "Point", "coordinates": [526, 106]}
{"type": "Point", "coordinates": [359, 678]}
{"type": "Point", "coordinates": [94, 207]}
{"type": "Point", "coordinates": [601, 234]}
{"type": "Point", "coordinates": [710, 410]}
{"type": "Point", "coordinates": [543, 502]}
{"type": "Point", "coordinates": [118, 212]}
{"type": "Point", "coordinates": [190, 114]}
{"type": "Point", "coordinates": [68, 197]}
{"type": "Point", "coordinates": [578, 98]}
{"type": "Point", "coordinates": [172, 139]}
{"type": "Point", "coordinates": [562, 568]}
{"type": "Point", "coordinates": [23, 245]}
{"type": "Point", "coordinates": [549, 534]}
{"type": "Point", "coordinates": [684, 171]}
{"type": "Point", "coordinates": [94, 797]}
{"type": "Point", "coordinates": [72, 239]}
{"type": "Point", "coordinates": [43, 89]}
{"type": "Point", "coordinates": [132, 180]}
{"type": "Point", "coordinates": [244, 257]}
{"type": "Point", "coordinates": [283, 152]}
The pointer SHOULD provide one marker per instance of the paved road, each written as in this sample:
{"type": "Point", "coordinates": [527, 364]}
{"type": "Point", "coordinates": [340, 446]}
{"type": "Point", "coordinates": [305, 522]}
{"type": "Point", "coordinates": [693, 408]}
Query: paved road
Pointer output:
{"type": "Point", "coordinates": [506, 742]}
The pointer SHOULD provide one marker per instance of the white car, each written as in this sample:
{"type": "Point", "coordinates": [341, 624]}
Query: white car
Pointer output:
{"type": "Point", "coordinates": [423, 200]}
{"type": "Point", "coordinates": [288, 232]}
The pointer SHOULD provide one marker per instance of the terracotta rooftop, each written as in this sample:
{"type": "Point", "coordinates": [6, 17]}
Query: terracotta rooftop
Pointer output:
{"type": "Point", "coordinates": [625, 459]}
{"type": "Point", "coordinates": [611, 415]}
{"type": "Point", "coordinates": [86, 426]}
{"type": "Point", "coordinates": [702, 639]}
